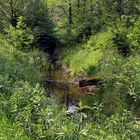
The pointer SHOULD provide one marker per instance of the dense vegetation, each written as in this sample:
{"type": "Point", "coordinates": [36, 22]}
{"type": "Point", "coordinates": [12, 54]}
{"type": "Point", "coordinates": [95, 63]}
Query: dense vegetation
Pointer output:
{"type": "Point", "coordinates": [96, 39]}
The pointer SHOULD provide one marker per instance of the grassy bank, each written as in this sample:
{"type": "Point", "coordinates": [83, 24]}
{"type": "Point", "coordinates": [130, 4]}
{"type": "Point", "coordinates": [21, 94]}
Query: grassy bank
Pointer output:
{"type": "Point", "coordinates": [100, 56]}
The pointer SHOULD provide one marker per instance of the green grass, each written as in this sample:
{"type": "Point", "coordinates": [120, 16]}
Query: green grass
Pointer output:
{"type": "Point", "coordinates": [85, 56]}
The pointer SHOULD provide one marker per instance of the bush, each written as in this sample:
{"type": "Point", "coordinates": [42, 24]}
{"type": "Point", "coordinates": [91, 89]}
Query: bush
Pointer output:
{"type": "Point", "coordinates": [21, 68]}
{"type": "Point", "coordinates": [121, 80]}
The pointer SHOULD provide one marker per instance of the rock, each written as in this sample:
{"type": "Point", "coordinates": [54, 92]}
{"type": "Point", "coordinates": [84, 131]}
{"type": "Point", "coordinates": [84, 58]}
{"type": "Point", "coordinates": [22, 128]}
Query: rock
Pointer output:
{"type": "Point", "coordinates": [89, 89]}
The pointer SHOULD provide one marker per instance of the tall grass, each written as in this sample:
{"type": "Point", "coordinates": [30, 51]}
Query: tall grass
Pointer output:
{"type": "Point", "coordinates": [85, 56]}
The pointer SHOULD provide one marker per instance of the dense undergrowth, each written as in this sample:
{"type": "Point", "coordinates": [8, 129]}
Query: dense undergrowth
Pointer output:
{"type": "Point", "coordinates": [26, 111]}
{"type": "Point", "coordinates": [95, 38]}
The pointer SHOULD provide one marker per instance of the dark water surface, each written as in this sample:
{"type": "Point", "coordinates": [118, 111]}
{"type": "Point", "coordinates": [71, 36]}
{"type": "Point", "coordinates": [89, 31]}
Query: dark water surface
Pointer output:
{"type": "Point", "coordinates": [60, 84]}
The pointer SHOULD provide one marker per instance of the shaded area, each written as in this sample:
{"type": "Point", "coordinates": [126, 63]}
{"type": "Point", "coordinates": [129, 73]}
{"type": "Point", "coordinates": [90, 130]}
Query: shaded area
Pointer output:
{"type": "Point", "coordinates": [50, 45]}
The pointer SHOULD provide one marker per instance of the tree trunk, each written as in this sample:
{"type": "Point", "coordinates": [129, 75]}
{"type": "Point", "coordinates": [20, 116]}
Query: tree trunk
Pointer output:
{"type": "Point", "coordinates": [78, 3]}
{"type": "Point", "coordinates": [120, 8]}
{"type": "Point", "coordinates": [13, 19]}
{"type": "Point", "coordinates": [70, 14]}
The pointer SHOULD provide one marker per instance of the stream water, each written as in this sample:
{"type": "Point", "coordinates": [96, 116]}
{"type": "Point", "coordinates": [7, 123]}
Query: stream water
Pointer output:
{"type": "Point", "coordinates": [60, 85]}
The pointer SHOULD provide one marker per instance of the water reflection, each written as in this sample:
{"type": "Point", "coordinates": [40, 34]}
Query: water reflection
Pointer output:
{"type": "Point", "coordinates": [60, 84]}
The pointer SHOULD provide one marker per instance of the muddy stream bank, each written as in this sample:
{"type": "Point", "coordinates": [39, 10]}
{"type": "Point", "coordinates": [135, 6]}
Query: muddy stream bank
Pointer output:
{"type": "Point", "coordinates": [61, 84]}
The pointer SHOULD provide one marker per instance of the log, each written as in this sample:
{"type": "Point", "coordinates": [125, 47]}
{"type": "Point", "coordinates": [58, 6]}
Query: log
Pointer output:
{"type": "Point", "coordinates": [90, 82]}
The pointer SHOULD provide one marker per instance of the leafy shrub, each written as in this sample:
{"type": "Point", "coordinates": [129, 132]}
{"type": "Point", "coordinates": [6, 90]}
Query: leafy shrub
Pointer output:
{"type": "Point", "coordinates": [19, 65]}
{"type": "Point", "coordinates": [126, 34]}
{"type": "Point", "coordinates": [134, 34]}
{"type": "Point", "coordinates": [121, 79]}
{"type": "Point", "coordinates": [20, 37]}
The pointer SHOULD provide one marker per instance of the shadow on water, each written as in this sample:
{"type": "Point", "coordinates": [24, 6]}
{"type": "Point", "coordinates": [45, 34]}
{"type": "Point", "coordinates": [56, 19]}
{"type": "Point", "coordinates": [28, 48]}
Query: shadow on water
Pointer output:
{"type": "Point", "coordinates": [59, 84]}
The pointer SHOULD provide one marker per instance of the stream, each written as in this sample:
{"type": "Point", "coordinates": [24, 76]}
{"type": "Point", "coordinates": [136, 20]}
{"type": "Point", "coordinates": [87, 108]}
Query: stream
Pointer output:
{"type": "Point", "coordinates": [59, 84]}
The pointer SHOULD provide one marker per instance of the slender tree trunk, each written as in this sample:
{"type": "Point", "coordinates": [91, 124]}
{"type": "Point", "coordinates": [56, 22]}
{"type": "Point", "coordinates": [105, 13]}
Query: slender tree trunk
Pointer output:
{"type": "Point", "coordinates": [70, 14]}
{"type": "Point", "coordinates": [78, 3]}
{"type": "Point", "coordinates": [13, 19]}
{"type": "Point", "coordinates": [70, 21]}
{"type": "Point", "coordinates": [120, 8]}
